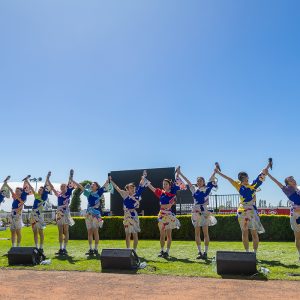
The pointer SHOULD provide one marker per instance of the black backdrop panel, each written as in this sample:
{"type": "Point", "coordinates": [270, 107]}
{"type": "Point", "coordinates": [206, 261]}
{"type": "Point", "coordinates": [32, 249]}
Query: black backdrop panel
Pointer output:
{"type": "Point", "coordinates": [185, 197]}
{"type": "Point", "coordinates": [149, 203]}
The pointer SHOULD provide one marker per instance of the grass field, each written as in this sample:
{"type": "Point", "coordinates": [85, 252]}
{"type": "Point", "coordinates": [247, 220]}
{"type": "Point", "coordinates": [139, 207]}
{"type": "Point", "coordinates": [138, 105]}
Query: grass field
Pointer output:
{"type": "Point", "coordinates": [279, 257]}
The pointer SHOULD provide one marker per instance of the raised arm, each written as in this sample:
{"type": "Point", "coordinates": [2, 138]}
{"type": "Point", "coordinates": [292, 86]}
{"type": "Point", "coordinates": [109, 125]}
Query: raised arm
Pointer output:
{"type": "Point", "coordinates": [29, 185]}
{"type": "Point", "coordinates": [105, 184]}
{"type": "Point", "coordinates": [213, 177]}
{"type": "Point", "coordinates": [275, 180]}
{"type": "Point", "coordinates": [77, 185]}
{"type": "Point", "coordinates": [10, 189]}
{"type": "Point", "coordinates": [216, 171]}
{"type": "Point", "coordinates": [180, 175]}
{"type": "Point", "coordinates": [120, 191]}
{"type": "Point", "coordinates": [151, 187]}
{"type": "Point", "coordinates": [52, 188]}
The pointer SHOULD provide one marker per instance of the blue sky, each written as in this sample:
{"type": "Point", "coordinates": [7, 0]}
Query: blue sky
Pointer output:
{"type": "Point", "coordinates": [112, 85]}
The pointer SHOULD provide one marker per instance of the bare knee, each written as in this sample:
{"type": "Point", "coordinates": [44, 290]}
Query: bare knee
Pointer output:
{"type": "Point", "coordinates": [254, 235]}
{"type": "Point", "coordinates": [169, 234]}
{"type": "Point", "coordinates": [245, 234]}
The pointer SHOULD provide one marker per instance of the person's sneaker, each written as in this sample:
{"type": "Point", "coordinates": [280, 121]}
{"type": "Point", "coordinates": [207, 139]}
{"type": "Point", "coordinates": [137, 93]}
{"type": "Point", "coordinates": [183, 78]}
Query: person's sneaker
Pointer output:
{"type": "Point", "coordinates": [60, 252]}
{"type": "Point", "coordinates": [65, 252]}
{"type": "Point", "coordinates": [41, 250]}
{"type": "Point", "coordinates": [166, 255]}
{"type": "Point", "coordinates": [96, 252]}
{"type": "Point", "coordinates": [90, 252]}
{"type": "Point", "coordinates": [161, 254]}
{"type": "Point", "coordinates": [204, 256]}
{"type": "Point", "coordinates": [200, 256]}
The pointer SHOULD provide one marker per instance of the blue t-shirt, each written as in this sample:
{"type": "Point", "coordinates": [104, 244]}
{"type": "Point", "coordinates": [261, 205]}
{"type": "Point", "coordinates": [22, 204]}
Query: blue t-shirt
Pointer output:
{"type": "Point", "coordinates": [18, 204]}
{"type": "Point", "coordinates": [1, 197]}
{"type": "Point", "coordinates": [133, 201]}
{"type": "Point", "coordinates": [248, 191]}
{"type": "Point", "coordinates": [94, 197]}
{"type": "Point", "coordinates": [64, 199]}
{"type": "Point", "coordinates": [38, 199]}
{"type": "Point", "coordinates": [166, 197]}
{"type": "Point", "coordinates": [293, 194]}
{"type": "Point", "coordinates": [201, 195]}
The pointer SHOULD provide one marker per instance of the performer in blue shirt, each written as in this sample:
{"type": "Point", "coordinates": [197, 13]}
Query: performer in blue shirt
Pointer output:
{"type": "Point", "coordinates": [131, 201]}
{"type": "Point", "coordinates": [247, 212]}
{"type": "Point", "coordinates": [167, 220]}
{"type": "Point", "coordinates": [63, 216]}
{"type": "Point", "coordinates": [36, 216]}
{"type": "Point", "coordinates": [16, 223]}
{"type": "Point", "coordinates": [93, 219]}
{"type": "Point", "coordinates": [201, 216]}
{"type": "Point", "coordinates": [292, 191]}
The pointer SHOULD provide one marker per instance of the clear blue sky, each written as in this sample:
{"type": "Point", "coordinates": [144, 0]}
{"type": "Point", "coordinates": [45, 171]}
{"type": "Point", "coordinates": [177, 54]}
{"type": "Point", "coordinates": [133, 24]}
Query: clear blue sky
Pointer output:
{"type": "Point", "coordinates": [111, 85]}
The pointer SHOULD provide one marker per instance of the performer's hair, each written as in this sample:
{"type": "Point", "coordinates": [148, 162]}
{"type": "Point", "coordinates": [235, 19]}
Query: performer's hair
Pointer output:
{"type": "Point", "coordinates": [19, 188]}
{"type": "Point", "coordinates": [202, 178]}
{"type": "Point", "coordinates": [169, 181]}
{"type": "Point", "coordinates": [97, 184]}
{"type": "Point", "coordinates": [128, 185]}
{"type": "Point", "coordinates": [241, 175]}
{"type": "Point", "coordinates": [286, 180]}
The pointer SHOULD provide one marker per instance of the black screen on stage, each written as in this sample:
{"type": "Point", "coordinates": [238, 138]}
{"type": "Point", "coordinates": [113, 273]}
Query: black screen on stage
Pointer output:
{"type": "Point", "coordinates": [149, 203]}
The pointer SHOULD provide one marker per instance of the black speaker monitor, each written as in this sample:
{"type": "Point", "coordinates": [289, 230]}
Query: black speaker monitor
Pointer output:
{"type": "Point", "coordinates": [238, 263]}
{"type": "Point", "coordinates": [24, 256]}
{"type": "Point", "coordinates": [119, 259]}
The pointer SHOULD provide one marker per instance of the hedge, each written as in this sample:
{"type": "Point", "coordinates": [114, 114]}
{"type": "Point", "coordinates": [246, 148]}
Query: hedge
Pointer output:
{"type": "Point", "coordinates": [228, 229]}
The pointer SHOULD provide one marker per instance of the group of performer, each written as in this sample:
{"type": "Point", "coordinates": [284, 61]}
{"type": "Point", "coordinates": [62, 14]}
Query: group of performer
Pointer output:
{"type": "Point", "coordinates": [202, 217]}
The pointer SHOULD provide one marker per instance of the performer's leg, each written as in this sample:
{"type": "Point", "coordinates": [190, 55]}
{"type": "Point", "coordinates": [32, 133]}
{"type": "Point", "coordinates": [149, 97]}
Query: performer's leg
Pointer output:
{"type": "Point", "coordinates": [60, 235]}
{"type": "Point", "coordinates": [19, 237]}
{"type": "Point", "coordinates": [245, 239]}
{"type": "Point", "coordinates": [66, 234]}
{"type": "Point", "coordinates": [297, 241]}
{"type": "Point", "coordinates": [169, 239]}
{"type": "Point", "coordinates": [127, 239]}
{"type": "Point", "coordinates": [198, 239]}
{"type": "Point", "coordinates": [255, 240]}
{"type": "Point", "coordinates": [13, 237]}
{"type": "Point", "coordinates": [135, 240]}
{"type": "Point", "coordinates": [162, 233]}
{"type": "Point", "coordinates": [90, 238]}
{"type": "Point", "coordinates": [96, 236]}
{"type": "Point", "coordinates": [206, 238]}
{"type": "Point", "coordinates": [41, 233]}
{"type": "Point", "coordinates": [35, 236]}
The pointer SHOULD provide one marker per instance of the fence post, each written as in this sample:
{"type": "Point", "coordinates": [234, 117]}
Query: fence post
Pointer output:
{"type": "Point", "coordinates": [216, 203]}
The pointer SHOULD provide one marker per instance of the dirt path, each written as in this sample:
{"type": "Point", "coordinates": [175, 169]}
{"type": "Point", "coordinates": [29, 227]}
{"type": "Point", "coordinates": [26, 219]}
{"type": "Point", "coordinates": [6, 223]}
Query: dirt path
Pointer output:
{"type": "Point", "coordinates": [86, 285]}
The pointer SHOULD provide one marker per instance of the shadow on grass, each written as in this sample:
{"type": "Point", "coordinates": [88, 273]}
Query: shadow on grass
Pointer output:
{"type": "Point", "coordinates": [175, 259]}
{"type": "Point", "coordinates": [69, 259]}
{"type": "Point", "coordinates": [93, 257]}
{"type": "Point", "coordinates": [276, 263]}
{"type": "Point", "coordinates": [168, 260]}
{"type": "Point", "coordinates": [257, 276]}
{"type": "Point", "coordinates": [183, 260]}
{"type": "Point", "coordinates": [120, 271]}
{"type": "Point", "coordinates": [293, 274]}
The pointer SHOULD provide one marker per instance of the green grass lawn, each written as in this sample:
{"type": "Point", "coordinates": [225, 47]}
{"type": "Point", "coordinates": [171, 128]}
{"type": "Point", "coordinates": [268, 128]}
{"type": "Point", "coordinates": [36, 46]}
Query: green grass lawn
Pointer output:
{"type": "Point", "coordinates": [280, 257]}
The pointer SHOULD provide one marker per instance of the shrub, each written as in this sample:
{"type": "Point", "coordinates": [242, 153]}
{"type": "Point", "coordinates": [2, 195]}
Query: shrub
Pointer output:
{"type": "Point", "coordinates": [227, 229]}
